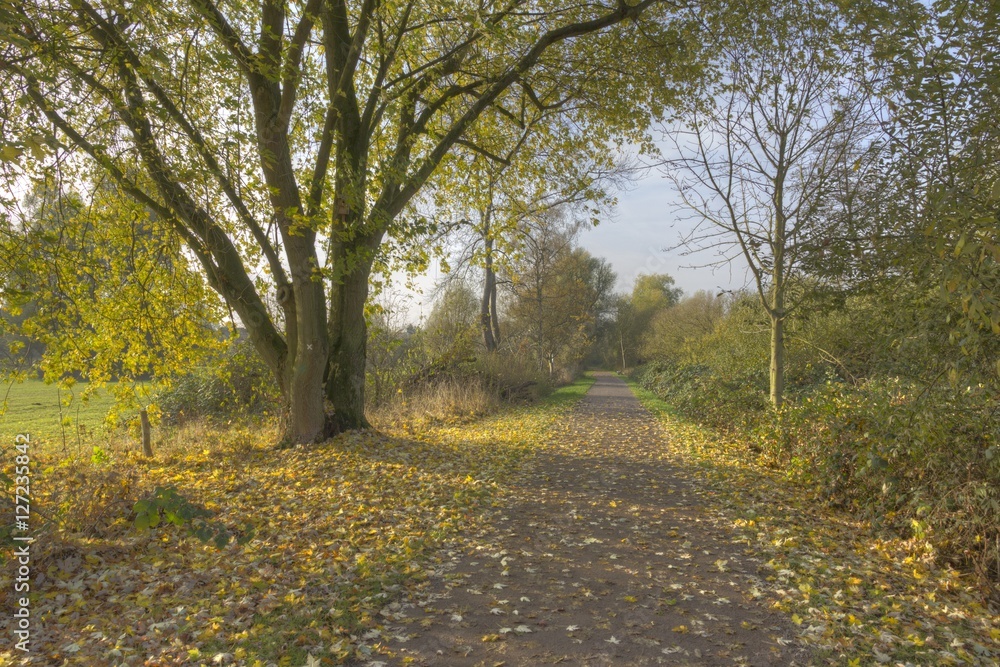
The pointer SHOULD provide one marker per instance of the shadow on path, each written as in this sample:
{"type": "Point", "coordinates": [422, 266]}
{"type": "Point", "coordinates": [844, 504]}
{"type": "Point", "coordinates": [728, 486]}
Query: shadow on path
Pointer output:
{"type": "Point", "coordinates": [601, 554]}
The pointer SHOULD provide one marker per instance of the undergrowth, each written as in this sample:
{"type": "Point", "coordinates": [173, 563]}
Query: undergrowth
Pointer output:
{"type": "Point", "coordinates": [860, 590]}
{"type": "Point", "coordinates": [920, 462]}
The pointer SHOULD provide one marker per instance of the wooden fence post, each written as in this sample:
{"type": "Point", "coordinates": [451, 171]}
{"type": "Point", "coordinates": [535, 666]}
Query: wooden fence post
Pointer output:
{"type": "Point", "coordinates": [147, 446]}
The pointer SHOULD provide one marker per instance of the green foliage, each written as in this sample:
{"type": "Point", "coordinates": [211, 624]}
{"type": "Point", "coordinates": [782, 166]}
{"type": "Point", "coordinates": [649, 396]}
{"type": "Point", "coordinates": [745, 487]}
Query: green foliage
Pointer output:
{"type": "Point", "coordinates": [451, 328]}
{"type": "Point", "coordinates": [305, 188]}
{"type": "Point", "coordinates": [626, 330]}
{"type": "Point", "coordinates": [878, 418]}
{"type": "Point", "coordinates": [561, 295]}
{"type": "Point", "coordinates": [235, 384]}
{"type": "Point", "coordinates": [697, 390]}
{"type": "Point", "coordinates": [105, 289]}
{"type": "Point", "coordinates": [99, 456]}
{"type": "Point", "coordinates": [166, 504]}
{"type": "Point", "coordinates": [671, 332]}
{"type": "Point", "coordinates": [918, 460]}
{"type": "Point", "coordinates": [654, 292]}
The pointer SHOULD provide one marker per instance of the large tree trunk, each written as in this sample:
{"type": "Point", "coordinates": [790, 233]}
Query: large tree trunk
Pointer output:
{"type": "Point", "coordinates": [307, 418]}
{"type": "Point", "coordinates": [305, 306]}
{"type": "Point", "coordinates": [345, 382]}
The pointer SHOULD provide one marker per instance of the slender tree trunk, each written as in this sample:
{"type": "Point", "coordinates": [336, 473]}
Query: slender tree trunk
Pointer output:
{"type": "Point", "coordinates": [621, 339]}
{"type": "Point", "coordinates": [777, 360]}
{"type": "Point", "coordinates": [494, 316]}
{"type": "Point", "coordinates": [489, 288]}
{"type": "Point", "coordinates": [485, 315]}
{"type": "Point", "coordinates": [777, 309]}
{"type": "Point", "coordinates": [540, 339]}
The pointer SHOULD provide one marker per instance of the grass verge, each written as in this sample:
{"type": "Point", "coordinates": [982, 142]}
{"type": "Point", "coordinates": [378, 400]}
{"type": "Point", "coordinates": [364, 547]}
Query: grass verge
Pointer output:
{"type": "Point", "coordinates": [570, 393]}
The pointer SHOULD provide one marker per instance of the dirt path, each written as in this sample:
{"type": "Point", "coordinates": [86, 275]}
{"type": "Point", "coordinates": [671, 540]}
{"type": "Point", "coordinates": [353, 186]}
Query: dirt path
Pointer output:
{"type": "Point", "coordinates": [600, 555]}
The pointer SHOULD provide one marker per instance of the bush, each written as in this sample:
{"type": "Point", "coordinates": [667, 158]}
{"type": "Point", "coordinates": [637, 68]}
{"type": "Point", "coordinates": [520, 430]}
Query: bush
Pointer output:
{"type": "Point", "coordinates": [921, 460]}
{"type": "Point", "coordinates": [238, 384]}
{"type": "Point", "coordinates": [458, 390]}
{"type": "Point", "coordinates": [698, 391]}
{"type": "Point", "coordinates": [870, 419]}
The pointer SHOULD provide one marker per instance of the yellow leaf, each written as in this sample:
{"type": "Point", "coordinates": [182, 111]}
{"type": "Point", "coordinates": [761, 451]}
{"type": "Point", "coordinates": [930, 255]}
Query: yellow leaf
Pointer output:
{"type": "Point", "coordinates": [10, 153]}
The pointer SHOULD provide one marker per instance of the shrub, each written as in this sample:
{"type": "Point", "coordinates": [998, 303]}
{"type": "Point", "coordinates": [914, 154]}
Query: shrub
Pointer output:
{"type": "Point", "coordinates": [869, 419]}
{"type": "Point", "coordinates": [237, 384]}
{"type": "Point", "coordinates": [698, 391]}
{"type": "Point", "coordinates": [458, 390]}
{"type": "Point", "coordinates": [923, 461]}
{"type": "Point", "coordinates": [920, 460]}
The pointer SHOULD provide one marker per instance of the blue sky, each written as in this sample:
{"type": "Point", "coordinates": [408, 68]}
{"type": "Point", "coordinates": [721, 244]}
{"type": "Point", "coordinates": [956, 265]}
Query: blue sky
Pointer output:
{"type": "Point", "coordinates": [645, 225]}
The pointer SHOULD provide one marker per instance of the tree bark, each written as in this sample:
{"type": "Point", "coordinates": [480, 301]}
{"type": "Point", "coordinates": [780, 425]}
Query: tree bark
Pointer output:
{"type": "Point", "coordinates": [777, 309]}
{"type": "Point", "coordinates": [488, 319]}
{"type": "Point", "coordinates": [147, 445]}
{"type": "Point", "coordinates": [307, 414]}
{"type": "Point", "coordinates": [540, 335]}
{"type": "Point", "coordinates": [348, 330]}
{"type": "Point", "coordinates": [777, 360]}
{"type": "Point", "coordinates": [494, 315]}
{"type": "Point", "coordinates": [485, 318]}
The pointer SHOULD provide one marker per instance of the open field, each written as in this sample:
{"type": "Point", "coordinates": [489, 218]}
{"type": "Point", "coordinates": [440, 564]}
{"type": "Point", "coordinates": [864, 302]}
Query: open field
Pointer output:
{"type": "Point", "coordinates": [33, 407]}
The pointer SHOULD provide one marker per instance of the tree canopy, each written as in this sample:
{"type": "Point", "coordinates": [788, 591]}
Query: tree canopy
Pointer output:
{"type": "Point", "coordinates": [282, 142]}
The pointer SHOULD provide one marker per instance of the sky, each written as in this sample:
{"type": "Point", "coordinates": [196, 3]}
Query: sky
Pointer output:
{"type": "Point", "coordinates": [635, 240]}
{"type": "Point", "coordinates": [641, 236]}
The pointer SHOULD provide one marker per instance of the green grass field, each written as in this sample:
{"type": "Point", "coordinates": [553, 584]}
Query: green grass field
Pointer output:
{"type": "Point", "coordinates": [33, 407]}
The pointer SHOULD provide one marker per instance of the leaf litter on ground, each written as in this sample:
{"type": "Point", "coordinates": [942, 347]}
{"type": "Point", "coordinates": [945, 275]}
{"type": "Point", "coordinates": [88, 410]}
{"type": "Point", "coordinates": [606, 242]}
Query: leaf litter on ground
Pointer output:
{"type": "Point", "coordinates": [339, 529]}
{"type": "Point", "coordinates": [859, 596]}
